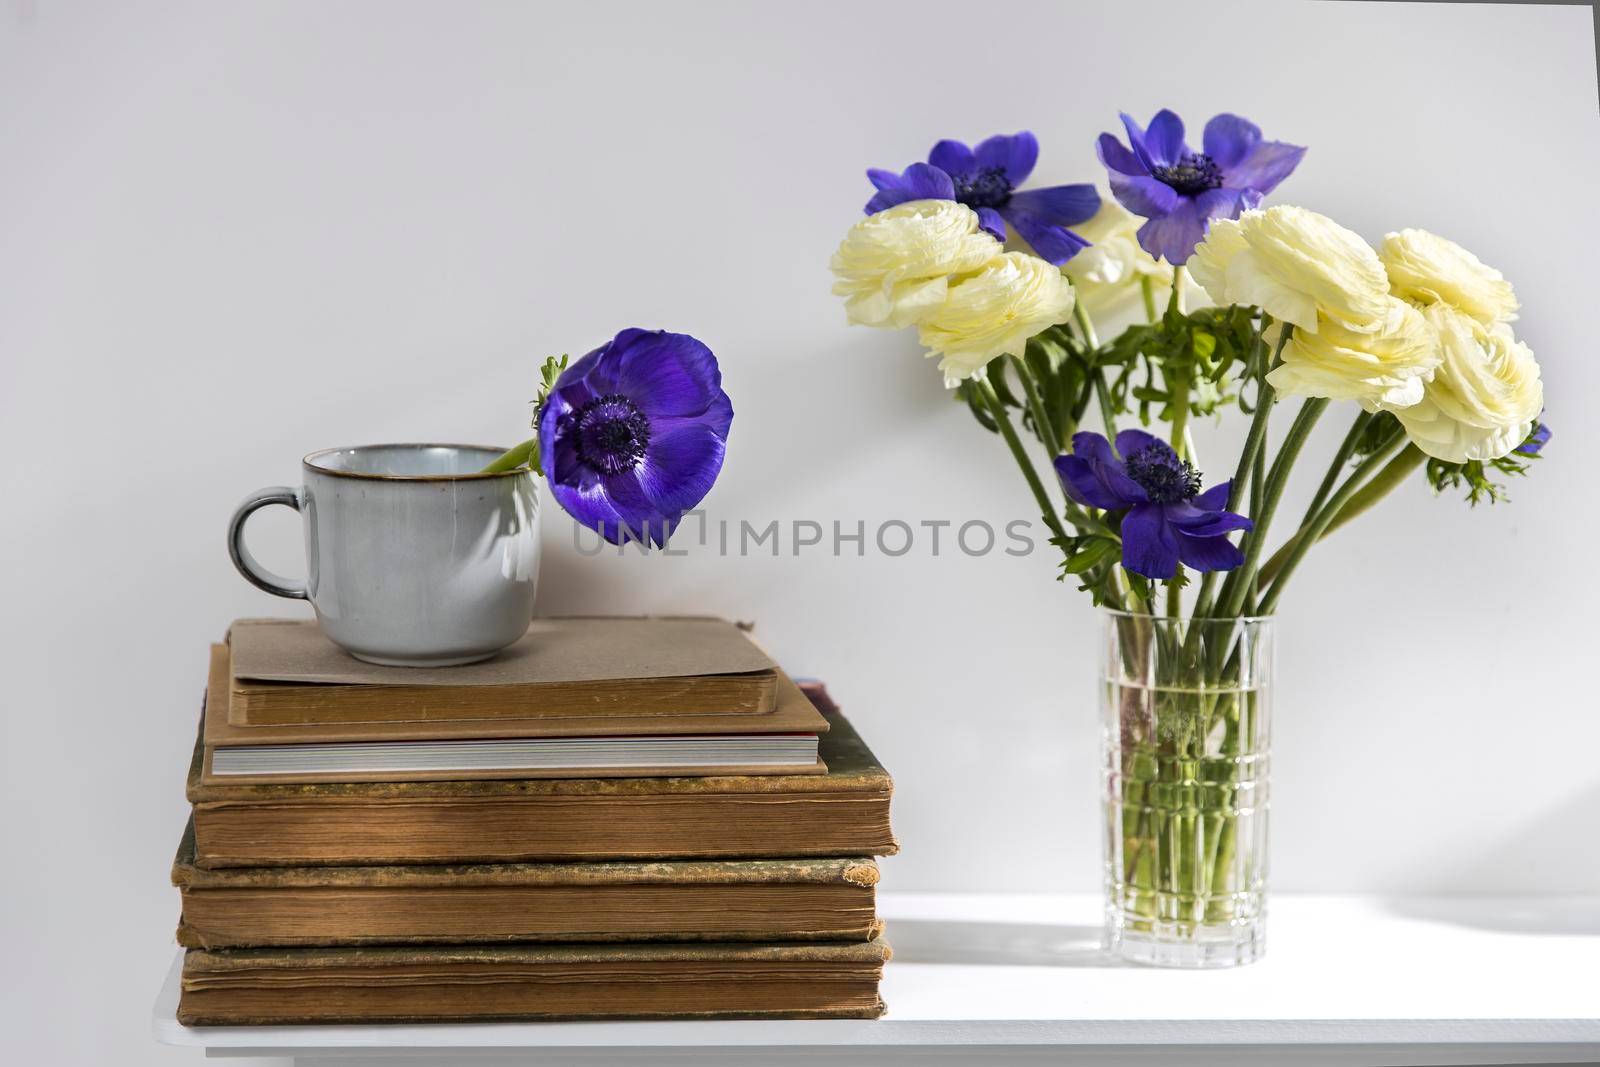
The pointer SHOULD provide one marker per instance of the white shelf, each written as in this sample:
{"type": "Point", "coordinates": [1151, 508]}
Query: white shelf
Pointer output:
{"type": "Point", "coordinates": [1345, 979]}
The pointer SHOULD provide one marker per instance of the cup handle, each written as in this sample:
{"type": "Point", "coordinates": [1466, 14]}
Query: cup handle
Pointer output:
{"type": "Point", "coordinates": [255, 573]}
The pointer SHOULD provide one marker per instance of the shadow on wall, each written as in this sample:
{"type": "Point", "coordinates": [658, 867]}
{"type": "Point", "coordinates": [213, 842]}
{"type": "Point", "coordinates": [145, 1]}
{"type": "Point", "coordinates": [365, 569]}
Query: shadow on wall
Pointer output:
{"type": "Point", "coordinates": [1566, 835]}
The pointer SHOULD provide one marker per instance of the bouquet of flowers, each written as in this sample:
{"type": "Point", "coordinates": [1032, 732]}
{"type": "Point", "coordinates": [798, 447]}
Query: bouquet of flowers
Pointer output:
{"type": "Point", "coordinates": [1243, 307]}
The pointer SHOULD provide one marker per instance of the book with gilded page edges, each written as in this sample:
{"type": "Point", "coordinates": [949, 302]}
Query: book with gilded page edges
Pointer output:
{"type": "Point", "coordinates": [843, 812]}
{"type": "Point", "coordinates": [781, 741]}
{"type": "Point", "coordinates": [331, 985]}
{"type": "Point", "coordinates": [824, 899]}
{"type": "Point", "coordinates": [286, 672]}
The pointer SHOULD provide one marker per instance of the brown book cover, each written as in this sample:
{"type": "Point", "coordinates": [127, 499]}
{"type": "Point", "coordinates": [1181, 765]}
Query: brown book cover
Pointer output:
{"type": "Point", "coordinates": [825, 899]}
{"type": "Point", "coordinates": [286, 672]}
{"type": "Point", "coordinates": [793, 715]}
{"type": "Point", "coordinates": [844, 812]}
{"type": "Point", "coordinates": [663, 981]}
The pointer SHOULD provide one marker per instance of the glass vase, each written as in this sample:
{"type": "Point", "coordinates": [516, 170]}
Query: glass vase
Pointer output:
{"type": "Point", "coordinates": [1186, 731]}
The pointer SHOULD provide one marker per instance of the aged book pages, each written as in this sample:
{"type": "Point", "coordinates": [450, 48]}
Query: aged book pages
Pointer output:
{"type": "Point", "coordinates": [686, 900]}
{"type": "Point", "coordinates": [844, 812]}
{"type": "Point", "coordinates": [793, 714]}
{"type": "Point", "coordinates": [270, 986]}
{"type": "Point", "coordinates": [285, 672]}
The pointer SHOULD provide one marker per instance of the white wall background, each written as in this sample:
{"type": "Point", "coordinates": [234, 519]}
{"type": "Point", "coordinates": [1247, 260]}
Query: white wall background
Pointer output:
{"type": "Point", "coordinates": [232, 233]}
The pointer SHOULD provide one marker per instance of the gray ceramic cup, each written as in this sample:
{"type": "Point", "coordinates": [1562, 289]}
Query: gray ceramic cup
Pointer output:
{"type": "Point", "coordinates": [413, 558]}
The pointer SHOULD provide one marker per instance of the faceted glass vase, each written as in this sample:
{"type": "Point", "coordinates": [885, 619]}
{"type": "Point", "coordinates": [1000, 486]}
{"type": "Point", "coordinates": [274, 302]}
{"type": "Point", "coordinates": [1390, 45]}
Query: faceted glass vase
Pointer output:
{"type": "Point", "coordinates": [1186, 720]}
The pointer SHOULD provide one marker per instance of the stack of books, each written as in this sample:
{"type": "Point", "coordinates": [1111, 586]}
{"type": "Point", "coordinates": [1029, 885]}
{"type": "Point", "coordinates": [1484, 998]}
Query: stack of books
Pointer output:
{"type": "Point", "coordinates": [616, 817]}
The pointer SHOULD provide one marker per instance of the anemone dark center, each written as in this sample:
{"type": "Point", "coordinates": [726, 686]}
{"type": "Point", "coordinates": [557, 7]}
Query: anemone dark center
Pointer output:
{"type": "Point", "coordinates": [989, 187]}
{"type": "Point", "coordinates": [611, 434]}
{"type": "Point", "coordinates": [1162, 475]}
{"type": "Point", "coordinates": [1195, 173]}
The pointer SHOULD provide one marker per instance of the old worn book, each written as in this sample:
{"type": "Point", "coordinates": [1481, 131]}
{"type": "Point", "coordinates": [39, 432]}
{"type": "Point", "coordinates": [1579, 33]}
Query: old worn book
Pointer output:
{"type": "Point", "coordinates": [332, 985]}
{"type": "Point", "coordinates": [285, 672]}
{"type": "Point", "coordinates": [782, 741]}
{"type": "Point", "coordinates": [843, 812]}
{"type": "Point", "coordinates": [824, 899]}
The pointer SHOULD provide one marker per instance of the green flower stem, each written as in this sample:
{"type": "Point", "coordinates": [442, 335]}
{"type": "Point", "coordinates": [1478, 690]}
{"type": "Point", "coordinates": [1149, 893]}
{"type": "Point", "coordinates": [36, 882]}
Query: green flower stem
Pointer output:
{"type": "Point", "coordinates": [1364, 497]}
{"type": "Point", "coordinates": [1147, 289]}
{"type": "Point", "coordinates": [1310, 534]}
{"type": "Point", "coordinates": [1108, 410]}
{"type": "Point", "coordinates": [1253, 448]}
{"type": "Point", "coordinates": [1381, 486]}
{"type": "Point", "coordinates": [1340, 458]}
{"type": "Point", "coordinates": [1288, 452]}
{"type": "Point", "coordinates": [1080, 315]}
{"type": "Point", "coordinates": [524, 455]}
{"type": "Point", "coordinates": [1003, 421]}
{"type": "Point", "coordinates": [1041, 418]}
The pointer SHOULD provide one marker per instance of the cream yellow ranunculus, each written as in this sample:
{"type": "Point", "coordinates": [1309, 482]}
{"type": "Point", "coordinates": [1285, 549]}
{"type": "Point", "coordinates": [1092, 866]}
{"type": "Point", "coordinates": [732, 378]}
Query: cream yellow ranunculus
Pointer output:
{"type": "Point", "coordinates": [1297, 266]}
{"type": "Point", "coordinates": [893, 267]}
{"type": "Point", "coordinates": [1383, 370]}
{"type": "Point", "coordinates": [1429, 269]}
{"type": "Point", "coordinates": [1485, 396]}
{"type": "Point", "coordinates": [994, 312]}
{"type": "Point", "coordinates": [1107, 274]}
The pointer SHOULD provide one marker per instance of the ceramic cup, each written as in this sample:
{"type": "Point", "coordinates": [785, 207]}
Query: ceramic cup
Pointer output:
{"type": "Point", "coordinates": [413, 558]}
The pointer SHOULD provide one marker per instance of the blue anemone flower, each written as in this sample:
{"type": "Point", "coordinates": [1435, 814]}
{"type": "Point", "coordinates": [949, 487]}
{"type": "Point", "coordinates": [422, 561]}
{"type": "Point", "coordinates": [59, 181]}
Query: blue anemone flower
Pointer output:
{"type": "Point", "coordinates": [1179, 190]}
{"type": "Point", "coordinates": [1166, 518]}
{"type": "Point", "coordinates": [985, 179]}
{"type": "Point", "coordinates": [633, 434]}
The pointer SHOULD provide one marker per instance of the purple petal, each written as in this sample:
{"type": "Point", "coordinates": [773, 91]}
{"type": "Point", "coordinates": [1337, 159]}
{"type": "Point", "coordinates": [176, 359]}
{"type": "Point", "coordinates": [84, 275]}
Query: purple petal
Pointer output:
{"type": "Point", "coordinates": [1136, 141]}
{"type": "Point", "coordinates": [1175, 235]}
{"type": "Point", "coordinates": [925, 182]}
{"type": "Point", "coordinates": [1145, 196]}
{"type": "Point", "coordinates": [1092, 447]}
{"type": "Point", "coordinates": [1268, 164]}
{"type": "Point", "coordinates": [1116, 157]}
{"type": "Point", "coordinates": [1131, 441]}
{"type": "Point", "coordinates": [1163, 141]}
{"type": "Point", "coordinates": [637, 515]}
{"type": "Point", "coordinates": [918, 182]}
{"type": "Point", "coordinates": [885, 199]}
{"type": "Point", "coordinates": [591, 506]}
{"type": "Point", "coordinates": [1014, 156]}
{"type": "Point", "coordinates": [1215, 498]}
{"type": "Point", "coordinates": [883, 179]}
{"type": "Point", "coordinates": [1078, 478]}
{"type": "Point", "coordinates": [1200, 523]}
{"type": "Point", "coordinates": [1050, 241]}
{"type": "Point", "coordinates": [680, 467]}
{"type": "Point", "coordinates": [1149, 546]}
{"type": "Point", "coordinates": [1229, 138]}
{"type": "Point", "coordinates": [667, 375]}
{"type": "Point", "coordinates": [992, 223]}
{"type": "Point", "coordinates": [1207, 553]}
{"type": "Point", "coordinates": [954, 158]}
{"type": "Point", "coordinates": [1064, 205]}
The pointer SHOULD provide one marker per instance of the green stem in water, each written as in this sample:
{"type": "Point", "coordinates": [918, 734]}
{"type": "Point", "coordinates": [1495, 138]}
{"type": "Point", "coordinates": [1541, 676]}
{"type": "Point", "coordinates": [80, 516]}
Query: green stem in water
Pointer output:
{"type": "Point", "coordinates": [1310, 534]}
{"type": "Point", "coordinates": [1003, 421]}
{"type": "Point", "coordinates": [524, 455]}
